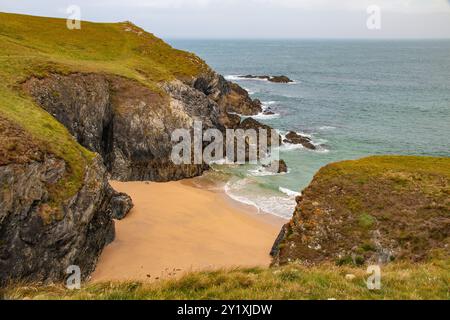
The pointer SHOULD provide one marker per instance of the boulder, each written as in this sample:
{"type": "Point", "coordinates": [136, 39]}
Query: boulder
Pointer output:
{"type": "Point", "coordinates": [120, 205]}
{"type": "Point", "coordinates": [294, 138]}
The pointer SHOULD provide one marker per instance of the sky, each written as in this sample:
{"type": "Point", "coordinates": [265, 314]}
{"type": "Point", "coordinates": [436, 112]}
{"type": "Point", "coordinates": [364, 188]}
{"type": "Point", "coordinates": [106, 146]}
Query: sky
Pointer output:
{"type": "Point", "coordinates": [258, 19]}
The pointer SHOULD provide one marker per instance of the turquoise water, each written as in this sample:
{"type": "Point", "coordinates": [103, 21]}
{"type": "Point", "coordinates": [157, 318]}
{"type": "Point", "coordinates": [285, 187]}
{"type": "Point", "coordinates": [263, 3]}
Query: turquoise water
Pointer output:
{"type": "Point", "coordinates": [354, 98]}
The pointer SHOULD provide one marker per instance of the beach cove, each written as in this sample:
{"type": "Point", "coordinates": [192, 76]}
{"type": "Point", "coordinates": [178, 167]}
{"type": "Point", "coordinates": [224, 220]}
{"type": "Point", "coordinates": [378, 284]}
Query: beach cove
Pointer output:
{"type": "Point", "coordinates": [177, 227]}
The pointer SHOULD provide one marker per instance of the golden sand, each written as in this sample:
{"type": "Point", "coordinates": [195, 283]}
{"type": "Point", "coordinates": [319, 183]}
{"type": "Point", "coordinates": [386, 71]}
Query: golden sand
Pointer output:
{"type": "Point", "coordinates": [176, 227]}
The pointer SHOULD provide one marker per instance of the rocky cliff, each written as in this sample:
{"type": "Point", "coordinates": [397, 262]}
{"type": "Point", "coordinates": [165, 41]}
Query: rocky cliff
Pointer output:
{"type": "Point", "coordinates": [130, 125]}
{"type": "Point", "coordinates": [373, 210]}
{"type": "Point", "coordinates": [40, 236]}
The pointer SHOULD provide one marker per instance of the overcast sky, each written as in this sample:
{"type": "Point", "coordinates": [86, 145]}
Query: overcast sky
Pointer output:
{"type": "Point", "coordinates": [258, 18]}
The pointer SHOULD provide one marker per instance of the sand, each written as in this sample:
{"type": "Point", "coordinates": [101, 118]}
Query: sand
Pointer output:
{"type": "Point", "coordinates": [176, 227]}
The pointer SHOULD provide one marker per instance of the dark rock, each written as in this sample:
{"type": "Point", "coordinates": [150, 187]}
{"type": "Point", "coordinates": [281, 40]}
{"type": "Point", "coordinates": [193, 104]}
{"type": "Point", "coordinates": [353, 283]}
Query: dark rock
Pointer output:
{"type": "Point", "coordinates": [239, 101]}
{"type": "Point", "coordinates": [277, 166]}
{"type": "Point", "coordinates": [250, 123]}
{"type": "Point", "coordinates": [125, 122]}
{"type": "Point", "coordinates": [280, 79]}
{"type": "Point", "coordinates": [294, 138]}
{"type": "Point", "coordinates": [38, 242]}
{"type": "Point", "coordinates": [120, 205]}
{"type": "Point", "coordinates": [268, 112]}
{"type": "Point", "coordinates": [276, 245]}
{"type": "Point", "coordinates": [276, 79]}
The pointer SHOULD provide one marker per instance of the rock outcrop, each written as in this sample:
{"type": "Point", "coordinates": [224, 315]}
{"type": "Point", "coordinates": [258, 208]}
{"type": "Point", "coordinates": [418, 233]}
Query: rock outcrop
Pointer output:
{"type": "Point", "coordinates": [126, 122]}
{"type": "Point", "coordinates": [250, 123]}
{"type": "Point", "coordinates": [295, 138]}
{"type": "Point", "coordinates": [228, 95]}
{"type": "Point", "coordinates": [370, 211]}
{"type": "Point", "coordinates": [130, 125]}
{"type": "Point", "coordinates": [40, 238]}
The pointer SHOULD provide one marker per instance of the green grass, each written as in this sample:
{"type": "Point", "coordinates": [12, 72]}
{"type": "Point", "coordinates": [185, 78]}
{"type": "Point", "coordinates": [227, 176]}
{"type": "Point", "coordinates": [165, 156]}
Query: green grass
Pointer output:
{"type": "Point", "coordinates": [36, 46]}
{"type": "Point", "coordinates": [398, 281]}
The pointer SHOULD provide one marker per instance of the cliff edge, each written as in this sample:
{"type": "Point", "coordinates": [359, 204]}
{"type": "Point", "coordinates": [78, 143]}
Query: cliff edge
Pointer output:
{"type": "Point", "coordinates": [371, 211]}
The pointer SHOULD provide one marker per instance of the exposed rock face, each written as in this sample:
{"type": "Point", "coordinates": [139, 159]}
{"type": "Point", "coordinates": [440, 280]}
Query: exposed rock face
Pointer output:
{"type": "Point", "coordinates": [228, 95]}
{"type": "Point", "coordinates": [125, 122]}
{"type": "Point", "coordinates": [294, 138]}
{"type": "Point", "coordinates": [276, 79]}
{"type": "Point", "coordinates": [38, 241]}
{"type": "Point", "coordinates": [371, 210]}
{"type": "Point", "coordinates": [130, 125]}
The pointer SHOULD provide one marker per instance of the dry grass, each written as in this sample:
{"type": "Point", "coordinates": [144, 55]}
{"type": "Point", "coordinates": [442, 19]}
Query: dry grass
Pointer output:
{"type": "Point", "coordinates": [398, 281]}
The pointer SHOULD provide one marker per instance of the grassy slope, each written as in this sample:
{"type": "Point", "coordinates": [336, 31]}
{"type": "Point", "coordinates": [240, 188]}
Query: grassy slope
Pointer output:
{"type": "Point", "coordinates": [35, 46]}
{"type": "Point", "coordinates": [398, 281]}
{"type": "Point", "coordinates": [404, 199]}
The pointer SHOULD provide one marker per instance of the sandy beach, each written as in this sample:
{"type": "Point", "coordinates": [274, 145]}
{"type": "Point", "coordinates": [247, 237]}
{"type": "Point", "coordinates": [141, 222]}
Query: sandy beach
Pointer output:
{"type": "Point", "coordinates": [177, 227]}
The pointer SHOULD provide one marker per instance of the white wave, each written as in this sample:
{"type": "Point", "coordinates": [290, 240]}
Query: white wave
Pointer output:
{"type": "Point", "coordinates": [262, 116]}
{"type": "Point", "coordinates": [233, 77]}
{"type": "Point", "coordinates": [289, 192]}
{"type": "Point", "coordinates": [281, 206]}
{"type": "Point", "coordinates": [237, 198]}
{"type": "Point", "coordinates": [268, 103]}
{"type": "Point", "coordinates": [263, 172]}
{"type": "Point", "coordinates": [250, 92]}
{"type": "Point", "coordinates": [327, 128]}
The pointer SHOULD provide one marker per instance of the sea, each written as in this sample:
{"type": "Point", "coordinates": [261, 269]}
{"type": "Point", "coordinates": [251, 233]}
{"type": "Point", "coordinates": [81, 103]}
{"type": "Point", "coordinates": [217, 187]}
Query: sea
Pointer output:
{"type": "Point", "coordinates": [353, 98]}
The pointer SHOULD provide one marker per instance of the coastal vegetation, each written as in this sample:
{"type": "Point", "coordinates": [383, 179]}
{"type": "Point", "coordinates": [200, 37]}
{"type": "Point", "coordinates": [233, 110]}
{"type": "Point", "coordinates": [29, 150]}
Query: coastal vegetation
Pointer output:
{"type": "Point", "coordinates": [127, 90]}
{"type": "Point", "coordinates": [327, 281]}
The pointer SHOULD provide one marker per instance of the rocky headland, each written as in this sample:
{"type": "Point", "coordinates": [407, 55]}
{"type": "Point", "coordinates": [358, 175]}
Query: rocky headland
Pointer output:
{"type": "Point", "coordinates": [66, 128]}
{"type": "Point", "coordinates": [371, 211]}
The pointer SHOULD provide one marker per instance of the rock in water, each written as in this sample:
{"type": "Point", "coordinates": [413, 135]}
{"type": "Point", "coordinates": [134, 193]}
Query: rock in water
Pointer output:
{"type": "Point", "coordinates": [280, 79]}
{"type": "Point", "coordinates": [277, 166]}
{"type": "Point", "coordinates": [294, 138]}
{"type": "Point", "coordinates": [276, 79]}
